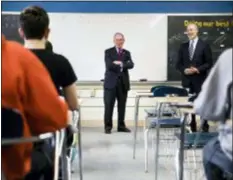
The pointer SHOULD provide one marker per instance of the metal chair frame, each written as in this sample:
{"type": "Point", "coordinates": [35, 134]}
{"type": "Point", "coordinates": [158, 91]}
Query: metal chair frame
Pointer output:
{"type": "Point", "coordinates": [59, 141]}
{"type": "Point", "coordinates": [76, 119]}
{"type": "Point", "coordinates": [160, 107]}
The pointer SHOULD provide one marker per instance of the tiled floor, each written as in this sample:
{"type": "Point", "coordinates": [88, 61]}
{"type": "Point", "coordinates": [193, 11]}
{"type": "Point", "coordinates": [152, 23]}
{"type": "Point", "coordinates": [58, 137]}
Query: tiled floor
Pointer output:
{"type": "Point", "coordinates": [110, 157]}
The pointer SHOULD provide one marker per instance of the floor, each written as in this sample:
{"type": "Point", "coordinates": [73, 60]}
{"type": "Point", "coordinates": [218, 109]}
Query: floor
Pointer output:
{"type": "Point", "coordinates": [110, 157]}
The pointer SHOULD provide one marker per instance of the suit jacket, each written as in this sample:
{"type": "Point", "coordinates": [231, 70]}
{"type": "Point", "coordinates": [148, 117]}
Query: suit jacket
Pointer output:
{"type": "Point", "coordinates": [202, 60]}
{"type": "Point", "coordinates": [113, 71]}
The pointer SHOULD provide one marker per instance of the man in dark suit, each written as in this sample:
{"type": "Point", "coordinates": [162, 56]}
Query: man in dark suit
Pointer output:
{"type": "Point", "coordinates": [194, 63]}
{"type": "Point", "coordinates": [116, 82]}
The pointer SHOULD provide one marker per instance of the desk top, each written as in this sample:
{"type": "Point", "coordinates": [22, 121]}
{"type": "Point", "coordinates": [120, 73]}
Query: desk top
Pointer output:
{"type": "Point", "coordinates": [144, 94]}
{"type": "Point", "coordinates": [162, 99]}
{"type": "Point", "coordinates": [187, 110]}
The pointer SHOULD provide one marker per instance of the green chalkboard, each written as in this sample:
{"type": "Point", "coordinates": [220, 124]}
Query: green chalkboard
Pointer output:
{"type": "Point", "coordinates": [10, 25]}
{"type": "Point", "coordinates": [215, 30]}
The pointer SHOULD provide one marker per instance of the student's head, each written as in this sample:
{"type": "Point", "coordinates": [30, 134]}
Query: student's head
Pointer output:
{"type": "Point", "coordinates": [49, 46]}
{"type": "Point", "coordinates": [34, 23]}
{"type": "Point", "coordinates": [192, 31]}
{"type": "Point", "coordinates": [119, 39]}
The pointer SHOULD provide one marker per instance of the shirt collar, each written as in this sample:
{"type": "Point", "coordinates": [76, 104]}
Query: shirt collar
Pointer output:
{"type": "Point", "coordinates": [117, 49]}
{"type": "Point", "coordinates": [35, 44]}
{"type": "Point", "coordinates": [194, 40]}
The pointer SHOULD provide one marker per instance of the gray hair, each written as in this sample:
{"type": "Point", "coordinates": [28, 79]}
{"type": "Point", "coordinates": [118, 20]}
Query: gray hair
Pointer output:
{"type": "Point", "coordinates": [118, 33]}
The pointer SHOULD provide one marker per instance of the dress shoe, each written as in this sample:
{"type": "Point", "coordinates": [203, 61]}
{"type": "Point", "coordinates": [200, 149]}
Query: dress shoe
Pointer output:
{"type": "Point", "coordinates": [124, 129]}
{"type": "Point", "coordinates": [108, 131]}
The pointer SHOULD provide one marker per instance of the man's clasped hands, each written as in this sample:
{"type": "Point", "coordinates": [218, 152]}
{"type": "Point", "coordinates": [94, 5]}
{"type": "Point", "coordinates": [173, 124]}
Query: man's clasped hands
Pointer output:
{"type": "Point", "coordinates": [191, 70]}
{"type": "Point", "coordinates": [117, 62]}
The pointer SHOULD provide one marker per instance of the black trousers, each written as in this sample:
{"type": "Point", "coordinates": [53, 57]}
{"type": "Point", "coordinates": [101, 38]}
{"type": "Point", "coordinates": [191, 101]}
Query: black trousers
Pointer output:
{"type": "Point", "coordinates": [110, 96]}
{"type": "Point", "coordinates": [195, 88]}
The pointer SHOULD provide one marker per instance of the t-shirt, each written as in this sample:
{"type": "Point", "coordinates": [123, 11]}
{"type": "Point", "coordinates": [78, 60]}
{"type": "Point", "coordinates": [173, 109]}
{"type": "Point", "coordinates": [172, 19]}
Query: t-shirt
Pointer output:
{"type": "Point", "coordinates": [58, 67]}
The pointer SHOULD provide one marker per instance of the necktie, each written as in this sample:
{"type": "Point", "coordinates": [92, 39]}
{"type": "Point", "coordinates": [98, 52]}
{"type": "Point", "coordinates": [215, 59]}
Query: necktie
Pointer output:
{"type": "Point", "coordinates": [119, 51]}
{"type": "Point", "coordinates": [191, 49]}
{"type": "Point", "coordinates": [120, 54]}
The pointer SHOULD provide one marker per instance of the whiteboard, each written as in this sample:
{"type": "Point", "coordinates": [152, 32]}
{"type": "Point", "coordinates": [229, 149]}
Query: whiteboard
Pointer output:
{"type": "Point", "coordinates": [82, 38]}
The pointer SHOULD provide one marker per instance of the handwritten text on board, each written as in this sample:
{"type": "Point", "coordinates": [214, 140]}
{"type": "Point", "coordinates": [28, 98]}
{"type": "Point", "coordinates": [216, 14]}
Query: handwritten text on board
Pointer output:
{"type": "Point", "coordinates": [210, 24]}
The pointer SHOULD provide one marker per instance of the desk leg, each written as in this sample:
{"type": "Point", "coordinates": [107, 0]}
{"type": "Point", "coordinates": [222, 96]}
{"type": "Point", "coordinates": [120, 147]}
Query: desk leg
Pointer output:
{"type": "Point", "coordinates": [64, 161]}
{"type": "Point", "coordinates": [181, 150]}
{"type": "Point", "coordinates": [80, 146]}
{"type": "Point", "coordinates": [137, 99]}
{"type": "Point", "coordinates": [159, 115]}
{"type": "Point", "coordinates": [157, 151]}
{"type": "Point", "coordinates": [56, 156]}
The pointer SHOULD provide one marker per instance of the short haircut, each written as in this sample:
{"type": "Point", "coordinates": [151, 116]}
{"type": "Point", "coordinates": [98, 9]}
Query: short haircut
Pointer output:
{"type": "Point", "coordinates": [49, 46]}
{"type": "Point", "coordinates": [118, 34]}
{"type": "Point", "coordinates": [34, 22]}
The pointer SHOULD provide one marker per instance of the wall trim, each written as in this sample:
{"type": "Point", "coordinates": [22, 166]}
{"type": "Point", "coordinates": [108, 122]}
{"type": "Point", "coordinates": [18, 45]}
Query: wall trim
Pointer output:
{"type": "Point", "coordinates": [124, 6]}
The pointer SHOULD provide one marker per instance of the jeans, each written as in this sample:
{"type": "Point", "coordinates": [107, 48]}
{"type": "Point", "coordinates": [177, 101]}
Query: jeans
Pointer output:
{"type": "Point", "coordinates": [216, 164]}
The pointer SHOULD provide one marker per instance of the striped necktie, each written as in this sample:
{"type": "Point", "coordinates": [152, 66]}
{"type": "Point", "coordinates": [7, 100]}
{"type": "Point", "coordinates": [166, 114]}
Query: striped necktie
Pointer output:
{"type": "Point", "coordinates": [191, 50]}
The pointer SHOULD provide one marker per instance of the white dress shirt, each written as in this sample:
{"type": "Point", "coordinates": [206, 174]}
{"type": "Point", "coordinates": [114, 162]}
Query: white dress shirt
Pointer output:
{"type": "Point", "coordinates": [35, 44]}
{"type": "Point", "coordinates": [195, 40]}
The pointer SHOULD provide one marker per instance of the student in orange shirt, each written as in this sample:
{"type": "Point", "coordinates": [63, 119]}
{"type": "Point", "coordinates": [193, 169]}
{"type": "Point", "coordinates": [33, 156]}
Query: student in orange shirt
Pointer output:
{"type": "Point", "coordinates": [27, 87]}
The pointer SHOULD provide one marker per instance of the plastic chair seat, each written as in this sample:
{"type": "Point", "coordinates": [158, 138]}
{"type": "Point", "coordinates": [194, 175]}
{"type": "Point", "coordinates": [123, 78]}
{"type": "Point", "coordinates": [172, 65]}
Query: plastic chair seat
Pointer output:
{"type": "Point", "coordinates": [154, 113]}
{"type": "Point", "coordinates": [166, 122]}
{"type": "Point", "coordinates": [165, 90]}
{"type": "Point", "coordinates": [200, 139]}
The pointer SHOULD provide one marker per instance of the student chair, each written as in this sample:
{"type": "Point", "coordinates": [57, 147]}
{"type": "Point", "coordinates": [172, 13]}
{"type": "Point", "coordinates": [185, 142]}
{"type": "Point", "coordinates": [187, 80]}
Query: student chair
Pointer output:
{"type": "Point", "coordinates": [193, 146]}
{"type": "Point", "coordinates": [169, 122]}
{"type": "Point", "coordinates": [12, 134]}
{"type": "Point", "coordinates": [76, 148]}
{"type": "Point", "coordinates": [188, 158]}
{"type": "Point", "coordinates": [162, 91]}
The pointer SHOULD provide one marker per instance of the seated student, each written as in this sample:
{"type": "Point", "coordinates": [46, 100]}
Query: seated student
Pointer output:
{"type": "Point", "coordinates": [212, 104]}
{"type": "Point", "coordinates": [27, 87]}
{"type": "Point", "coordinates": [34, 28]}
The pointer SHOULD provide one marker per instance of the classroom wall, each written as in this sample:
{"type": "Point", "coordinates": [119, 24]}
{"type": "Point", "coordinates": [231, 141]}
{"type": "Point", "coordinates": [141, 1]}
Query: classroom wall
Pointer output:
{"type": "Point", "coordinates": [65, 14]}
{"type": "Point", "coordinates": [83, 30]}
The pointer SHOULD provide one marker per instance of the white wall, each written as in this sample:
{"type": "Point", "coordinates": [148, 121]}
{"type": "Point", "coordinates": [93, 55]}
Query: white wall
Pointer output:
{"type": "Point", "coordinates": [82, 38]}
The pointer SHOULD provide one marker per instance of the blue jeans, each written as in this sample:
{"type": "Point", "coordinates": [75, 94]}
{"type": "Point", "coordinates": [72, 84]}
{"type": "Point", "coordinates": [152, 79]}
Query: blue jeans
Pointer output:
{"type": "Point", "coordinates": [216, 163]}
